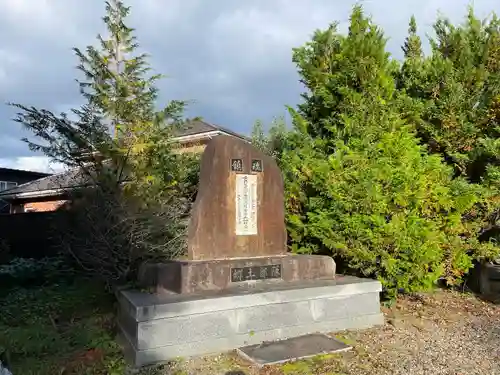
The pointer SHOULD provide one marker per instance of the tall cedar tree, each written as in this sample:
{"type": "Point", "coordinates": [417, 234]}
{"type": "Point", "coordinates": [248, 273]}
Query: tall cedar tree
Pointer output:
{"type": "Point", "coordinates": [118, 135]}
{"type": "Point", "coordinates": [359, 185]}
{"type": "Point", "coordinates": [120, 93]}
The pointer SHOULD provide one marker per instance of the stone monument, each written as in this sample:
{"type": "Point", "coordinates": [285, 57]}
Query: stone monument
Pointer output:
{"type": "Point", "coordinates": [238, 285]}
{"type": "Point", "coordinates": [237, 230]}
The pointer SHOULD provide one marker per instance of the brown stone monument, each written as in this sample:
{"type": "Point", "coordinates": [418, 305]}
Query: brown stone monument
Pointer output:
{"type": "Point", "coordinates": [239, 209]}
{"type": "Point", "coordinates": [237, 231]}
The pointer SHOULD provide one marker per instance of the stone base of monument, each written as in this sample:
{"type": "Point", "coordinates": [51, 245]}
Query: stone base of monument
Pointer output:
{"type": "Point", "coordinates": [198, 276]}
{"type": "Point", "coordinates": [159, 328]}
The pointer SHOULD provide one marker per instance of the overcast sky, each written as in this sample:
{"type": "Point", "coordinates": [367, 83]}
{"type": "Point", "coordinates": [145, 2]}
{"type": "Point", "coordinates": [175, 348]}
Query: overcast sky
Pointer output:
{"type": "Point", "coordinates": [231, 57]}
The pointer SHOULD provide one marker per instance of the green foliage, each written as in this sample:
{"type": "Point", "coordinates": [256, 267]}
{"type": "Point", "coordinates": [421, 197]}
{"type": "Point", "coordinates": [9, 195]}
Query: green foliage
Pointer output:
{"type": "Point", "coordinates": [452, 98]}
{"type": "Point", "coordinates": [65, 325]}
{"type": "Point", "coordinates": [121, 144]}
{"type": "Point", "coordinates": [413, 45]}
{"type": "Point", "coordinates": [23, 271]}
{"type": "Point", "coordinates": [46, 329]}
{"type": "Point", "coordinates": [117, 81]}
{"type": "Point", "coordinates": [360, 186]}
{"type": "Point", "coordinates": [456, 90]}
{"type": "Point", "coordinates": [121, 94]}
{"type": "Point", "coordinates": [274, 140]}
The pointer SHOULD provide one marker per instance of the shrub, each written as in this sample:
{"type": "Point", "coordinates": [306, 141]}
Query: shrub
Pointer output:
{"type": "Point", "coordinates": [31, 272]}
{"type": "Point", "coordinates": [109, 233]}
{"type": "Point", "coordinates": [359, 185]}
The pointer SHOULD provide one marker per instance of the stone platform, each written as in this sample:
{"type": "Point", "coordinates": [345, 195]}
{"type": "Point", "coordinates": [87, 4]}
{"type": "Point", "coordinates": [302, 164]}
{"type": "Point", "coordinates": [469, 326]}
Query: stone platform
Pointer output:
{"type": "Point", "coordinates": [158, 328]}
{"type": "Point", "coordinates": [199, 276]}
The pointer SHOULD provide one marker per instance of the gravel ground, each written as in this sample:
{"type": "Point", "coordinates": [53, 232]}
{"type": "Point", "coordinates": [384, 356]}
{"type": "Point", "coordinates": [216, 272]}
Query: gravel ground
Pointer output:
{"type": "Point", "coordinates": [439, 333]}
{"type": "Point", "coordinates": [444, 333]}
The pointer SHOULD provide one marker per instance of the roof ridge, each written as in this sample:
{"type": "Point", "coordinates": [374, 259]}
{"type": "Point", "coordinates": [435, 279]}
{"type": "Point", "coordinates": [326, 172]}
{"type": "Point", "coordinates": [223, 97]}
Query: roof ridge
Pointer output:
{"type": "Point", "coordinates": [192, 121]}
{"type": "Point", "coordinates": [26, 171]}
{"type": "Point", "coordinates": [46, 177]}
{"type": "Point", "coordinates": [223, 128]}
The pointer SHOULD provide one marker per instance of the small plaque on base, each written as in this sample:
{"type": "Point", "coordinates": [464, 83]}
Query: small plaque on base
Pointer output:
{"type": "Point", "coordinates": [292, 349]}
{"type": "Point", "coordinates": [272, 271]}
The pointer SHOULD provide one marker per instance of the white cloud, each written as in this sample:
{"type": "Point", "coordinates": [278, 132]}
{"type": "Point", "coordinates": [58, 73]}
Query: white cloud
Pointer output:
{"type": "Point", "coordinates": [26, 9]}
{"type": "Point", "coordinates": [35, 15]}
{"type": "Point", "coordinates": [9, 61]}
{"type": "Point", "coordinates": [32, 163]}
{"type": "Point", "coordinates": [233, 58]}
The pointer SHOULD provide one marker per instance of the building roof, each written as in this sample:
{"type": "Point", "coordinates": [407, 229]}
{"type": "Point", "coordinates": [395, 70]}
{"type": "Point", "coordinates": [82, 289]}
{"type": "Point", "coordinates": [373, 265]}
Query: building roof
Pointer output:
{"type": "Point", "coordinates": [199, 127]}
{"type": "Point", "coordinates": [23, 171]}
{"type": "Point", "coordinates": [57, 184]}
{"type": "Point", "coordinates": [49, 185]}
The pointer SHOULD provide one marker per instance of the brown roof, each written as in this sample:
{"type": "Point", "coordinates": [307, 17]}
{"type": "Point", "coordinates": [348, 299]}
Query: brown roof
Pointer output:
{"type": "Point", "coordinates": [199, 127]}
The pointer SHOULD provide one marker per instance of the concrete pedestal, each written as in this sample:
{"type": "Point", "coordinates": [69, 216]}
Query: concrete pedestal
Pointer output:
{"type": "Point", "coordinates": [200, 276]}
{"type": "Point", "coordinates": [159, 328]}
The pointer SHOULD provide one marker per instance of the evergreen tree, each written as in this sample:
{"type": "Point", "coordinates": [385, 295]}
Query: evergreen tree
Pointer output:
{"type": "Point", "coordinates": [454, 101]}
{"type": "Point", "coordinates": [272, 141]}
{"type": "Point", "coordinates": [413, 45]}
{"type": "Point", "coordinates": [411, 77]}
{"type": "Point", "coordinates": [119, 136]}
{"type": "Point", "coordinates": [359, 185]}
{"type": "Point", "coordinates": [363, 73]}
{"type": "Point", "coordinates": [118, 80]}
{"type": "Point", "coordinates": [121, 93]}
{"type": "Point", "coordinates": [458, 86]}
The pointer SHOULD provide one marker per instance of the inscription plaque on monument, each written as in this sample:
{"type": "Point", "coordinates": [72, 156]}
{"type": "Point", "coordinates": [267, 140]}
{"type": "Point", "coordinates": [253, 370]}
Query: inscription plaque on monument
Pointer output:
{"type": "Point", "coordinates": [236, 165]}
{"type": "Point", "coordinates": [272, 271]}
{"type": "Point", "coordinates": [257, 165]}
{"type": "Point", "coordinates": [246, 204]}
